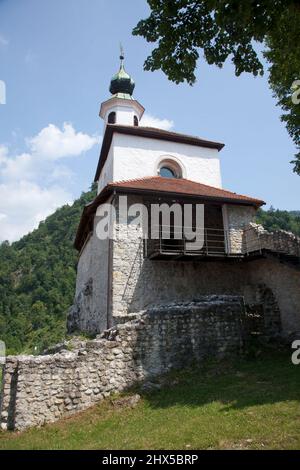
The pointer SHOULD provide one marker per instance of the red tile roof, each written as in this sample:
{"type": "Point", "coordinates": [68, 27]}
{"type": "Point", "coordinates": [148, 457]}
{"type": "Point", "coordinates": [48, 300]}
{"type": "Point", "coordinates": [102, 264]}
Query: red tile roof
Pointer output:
{"type": "Point", "coordinates": [151, 133]}
{"type": "Point", "coordinates": [159, 186]}
{"type": "Point", "coordinates": [183, 187]}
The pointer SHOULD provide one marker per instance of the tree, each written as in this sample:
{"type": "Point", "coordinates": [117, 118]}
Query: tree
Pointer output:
{"type": "Point", "coordinates": [225, 29]}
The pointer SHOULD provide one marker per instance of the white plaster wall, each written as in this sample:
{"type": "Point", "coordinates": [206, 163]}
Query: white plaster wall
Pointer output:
{"type": "Point", "coordinates": [125, 110]}
{"type": "Point", "coordinates": [106, 175]}
{"type": "Point", "coordinates": [138, 157]}
{"type": "Point", "coordinates": [124, 114]}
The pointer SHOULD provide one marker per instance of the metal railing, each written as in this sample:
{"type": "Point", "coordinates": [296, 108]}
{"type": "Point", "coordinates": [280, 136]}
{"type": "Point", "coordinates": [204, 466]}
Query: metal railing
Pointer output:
{"type": "Point", "coordinates": [172, 240]}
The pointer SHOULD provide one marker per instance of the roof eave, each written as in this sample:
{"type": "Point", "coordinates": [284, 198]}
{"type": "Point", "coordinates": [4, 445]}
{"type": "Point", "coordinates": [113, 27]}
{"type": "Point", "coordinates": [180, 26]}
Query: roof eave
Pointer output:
{"type": "Point", "coordinates": [111, 188]}
{"type": "Point", "coordinates": [249, 202]}
{"type": "Point", "coordinates": [117, 100]}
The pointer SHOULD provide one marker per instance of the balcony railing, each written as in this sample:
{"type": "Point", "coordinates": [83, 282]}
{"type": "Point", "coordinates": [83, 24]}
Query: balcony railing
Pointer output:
{"type": "Point", "coordinates": [171, 241]}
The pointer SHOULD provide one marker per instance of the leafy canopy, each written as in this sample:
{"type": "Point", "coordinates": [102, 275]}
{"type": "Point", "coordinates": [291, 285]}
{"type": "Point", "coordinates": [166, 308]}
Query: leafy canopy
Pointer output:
{"type": "Point", "coordinates": [225, 29]}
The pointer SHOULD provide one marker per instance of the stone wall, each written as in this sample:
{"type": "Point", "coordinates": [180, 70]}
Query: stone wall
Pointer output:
{"type": "Point", "coordinates": [238, 218]}
{"type": "Point", "coordinates": [284, 282]}
{"type": "Point", "coordinates": [89, 311]}
{"type": "Point", "coordinates": [38, 390]}
{"type": "Point", "coordinates": [263, 316]}
{"type": "Point", "coordinates": [278, 241]}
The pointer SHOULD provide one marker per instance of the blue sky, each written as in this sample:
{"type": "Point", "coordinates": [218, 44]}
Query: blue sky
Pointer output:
{"type": "Point", "coordinates": [57, 58]}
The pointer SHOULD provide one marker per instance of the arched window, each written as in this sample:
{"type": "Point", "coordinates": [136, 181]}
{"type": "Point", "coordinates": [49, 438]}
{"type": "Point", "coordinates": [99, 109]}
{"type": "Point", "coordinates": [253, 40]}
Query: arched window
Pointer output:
{"type": "Point", "coordinates": [167, 172]}
{"type": "Point", "coordinates": [111, 118]}
{"type": "Point", "coordinates": [169, 169]}
{"type": "Point", "coordinates": [135, 121]}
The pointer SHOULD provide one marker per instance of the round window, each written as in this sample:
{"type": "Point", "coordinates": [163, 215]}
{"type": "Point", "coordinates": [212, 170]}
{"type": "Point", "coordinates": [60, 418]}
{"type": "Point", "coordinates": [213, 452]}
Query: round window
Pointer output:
{"type": "Point", "coordinates": [169, 169]}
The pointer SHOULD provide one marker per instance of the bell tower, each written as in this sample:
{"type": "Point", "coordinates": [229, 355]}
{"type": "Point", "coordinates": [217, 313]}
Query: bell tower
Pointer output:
{"type": "Point", "coordinates": [121, 108]}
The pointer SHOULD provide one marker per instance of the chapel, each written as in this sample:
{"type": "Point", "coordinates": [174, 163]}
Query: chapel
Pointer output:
{"type": "Point", "coordinates": [126, 271]}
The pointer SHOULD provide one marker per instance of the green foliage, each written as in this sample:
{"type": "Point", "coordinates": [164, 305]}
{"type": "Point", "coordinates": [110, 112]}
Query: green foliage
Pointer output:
{"type": "Point", "coordinates": [280, 220]}
{"type": "Point", "coordinates": [37, 280]}
{"type": "Point", "coordinates": [228, 29]}
{"type": "Point", "coordinates": [284, 55]}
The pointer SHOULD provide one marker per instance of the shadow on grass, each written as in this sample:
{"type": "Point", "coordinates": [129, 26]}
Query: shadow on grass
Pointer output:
{"type": "Point", "coordinates": [236, 385]}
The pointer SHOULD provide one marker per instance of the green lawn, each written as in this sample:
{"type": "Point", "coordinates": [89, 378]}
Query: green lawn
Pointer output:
{"type": "Point", "coordinates": [248, 404]}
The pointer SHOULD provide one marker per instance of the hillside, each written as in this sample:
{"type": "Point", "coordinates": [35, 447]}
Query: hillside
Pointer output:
{"type": "Point", "coordinates": [37, 277]}
{"type": "Point", "coordinates": [284, 220]}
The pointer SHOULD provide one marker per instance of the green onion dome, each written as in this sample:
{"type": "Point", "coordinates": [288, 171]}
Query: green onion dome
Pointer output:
{"type": "Point", "coordinates": [121, 82]}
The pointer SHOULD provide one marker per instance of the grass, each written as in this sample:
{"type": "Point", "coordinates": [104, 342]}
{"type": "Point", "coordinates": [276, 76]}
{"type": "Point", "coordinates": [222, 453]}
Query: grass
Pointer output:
{"type": "Point", "coordinates": [245, 404]}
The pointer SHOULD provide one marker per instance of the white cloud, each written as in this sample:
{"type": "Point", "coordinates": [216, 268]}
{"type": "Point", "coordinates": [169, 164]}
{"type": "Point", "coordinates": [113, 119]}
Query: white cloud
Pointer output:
{"type": "Point", "coordinates": [20, 167]}
{"type": "Point", "coordinates": [49, 145]}
{"type": "Point", "coordinates": [3, 41]}
{"type": "Point", "coordinates": [151, 121]}
{"type": "Point", "coordinates": [61, 172]}
{"type": "Point", "coordinates": [32, 184]}
{"type": "Point", "coordinates": [3, 154]}
{"type": "Point", "coordinates": [53, 143]}
{"type": "Point", "coordinates": [23, 205]}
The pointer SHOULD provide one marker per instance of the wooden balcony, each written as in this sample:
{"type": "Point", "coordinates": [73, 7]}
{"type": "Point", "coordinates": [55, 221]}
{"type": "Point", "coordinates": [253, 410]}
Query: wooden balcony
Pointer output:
{"type": "Point", "coordinates": [212, 244]}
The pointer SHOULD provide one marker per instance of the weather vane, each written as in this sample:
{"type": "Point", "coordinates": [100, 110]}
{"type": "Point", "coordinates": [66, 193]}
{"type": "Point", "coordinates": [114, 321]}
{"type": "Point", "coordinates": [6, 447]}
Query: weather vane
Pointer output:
{"type": "Point", "coordinates": [121, 53]}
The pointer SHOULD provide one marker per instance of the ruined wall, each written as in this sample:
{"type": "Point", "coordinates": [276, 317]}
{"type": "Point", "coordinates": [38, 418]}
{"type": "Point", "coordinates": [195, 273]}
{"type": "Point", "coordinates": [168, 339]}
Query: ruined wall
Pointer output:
{"type": "Point", "coordinates": [278, 241]}
{"type": "Point", "coordinates": [263, 316]}
{"type": "Point", "coordinates": [284, 282]}
{"type": "Point", "coordinates": [38, 390]}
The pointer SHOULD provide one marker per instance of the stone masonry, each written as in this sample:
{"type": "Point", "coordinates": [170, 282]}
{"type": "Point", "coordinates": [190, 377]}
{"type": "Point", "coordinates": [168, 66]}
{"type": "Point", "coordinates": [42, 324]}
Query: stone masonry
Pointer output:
{"type": "Point", "coordinates": [42, 389]}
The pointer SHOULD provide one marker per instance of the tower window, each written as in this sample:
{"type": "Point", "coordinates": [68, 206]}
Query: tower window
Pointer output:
{"type": "Point", "coordinates": [111, 118]}
{"type": "Point", "coordinates": [166, 172]}
{"type": "Point", "coordinates": [135, 121]}
{"type": "Point", "coordinates": [169, 169]}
